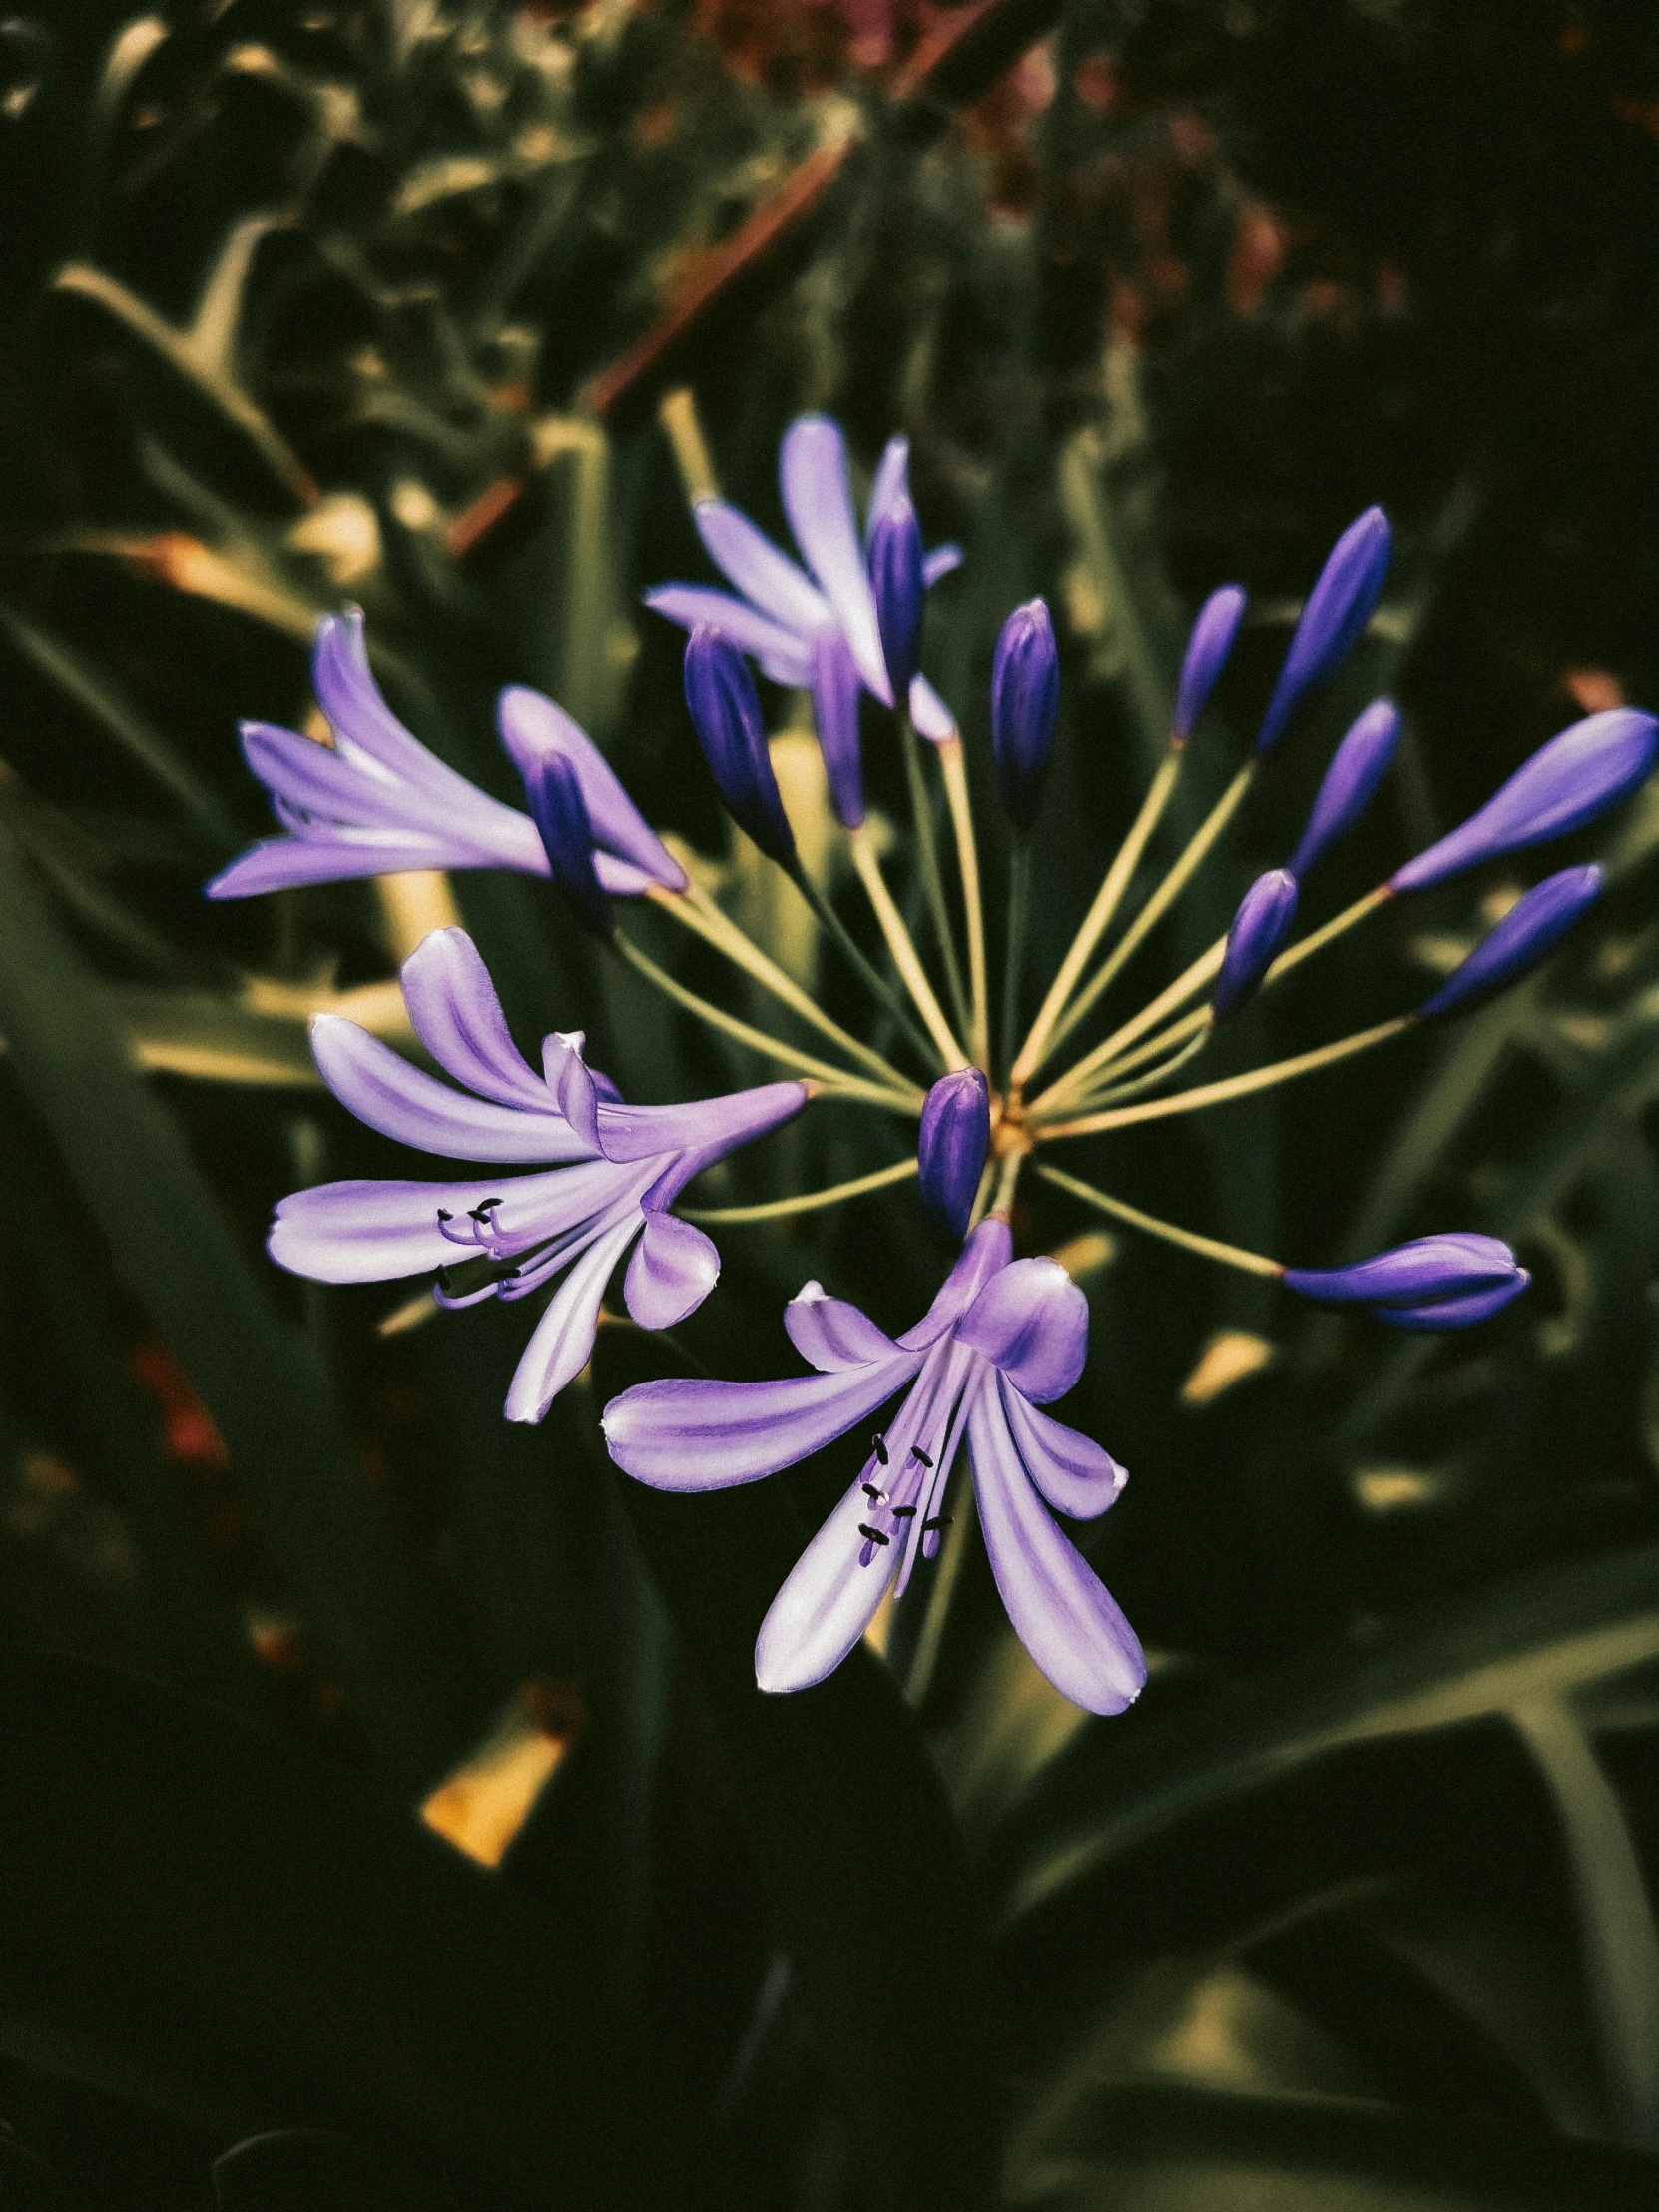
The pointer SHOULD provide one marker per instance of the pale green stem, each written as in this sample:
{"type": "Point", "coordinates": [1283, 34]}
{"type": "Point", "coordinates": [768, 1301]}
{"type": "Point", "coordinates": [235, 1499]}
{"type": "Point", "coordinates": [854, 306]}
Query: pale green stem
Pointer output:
{"type": "Point", "coordinates": [1115, 1091]}
{"type": "Point", "coordinates": [1318, 939]}
{"type": "Point", "coordinates": [904, 955]}
{"type": "Point", "coordinates": [954, 765]}
{"type": "Point", "coordinates": [874, 982]}
{"type": "Point", "coordinates": [832, 1078]}
{"type": "Point", "coordinates": [1208, 1247]}
{"type": "Point", "coordinates": [775, 1209]}
{"type": "Point", "coordinates": [1233, 1086]}
{"type": "Point", "coordinates": [1006, 1179]}
{"type": "Point", "coordinates": [982, 1197]}
{"type": "Point", "coordinates": [1106, 902]}
{"type": "Point", "coordinates": [1165, 1042]}
{"type": "Point", "coordinates": [1019, 911]}
{"type": "Point", "coordinates": [933, 882]}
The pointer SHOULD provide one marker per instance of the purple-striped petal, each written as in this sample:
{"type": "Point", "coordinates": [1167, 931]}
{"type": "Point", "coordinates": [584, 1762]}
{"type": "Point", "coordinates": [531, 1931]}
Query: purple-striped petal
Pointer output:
{"type": "Point", "coordinates": [1259, 927]}
{"type": "Point", "coordinates": [812, 475]}
{"type": "Point", "coordinates": [291, 863]}
{"type": "Point", "coordinates": [457, 1017]}
{"type": "Point", "coordinates": [761, 571]}
{"type": "Point", "coordinates": [371, 1081]}
{"type": "Point", "coordinates": [1334, 614]}
{"type": "Point", "coordinates": [696, 1435]}
{"type": "Point", "coordinates": [700, 1133]}
{"type": "Point", "coordinates": [836, 708]}
{"type": "Point", "coordinates": [831, 1334]}
{"type": "Point", "coordinates": [1455, 1312]}
{"type": "Point", "coordinates": [1581, 772]}
{"type": "Point", "coordinates": [370, 1231]}
{"type": "Point", "coordinates": [562, 1343]}
{"type": "Point", "coordinates": [1079, 1477]}
{"type": "Point", "coordinates": [784, 655]}
{"type": "Point", "coordinates": [1032, 1322]}
{"type": "Point", "coordinates": [931, 715]}
{"type": "Point", "coordinates": [1356, 768]}
{"type": "Point", "coordinates": [954, 1139]}
{"type": "Point", "coordinates": [1025, 700]}
{"type": "Point", "coordinates": [351, 699]}
{"type": "Point", "coordinates": [989, 1249]}
{"type": "Point", "coordinates": [673, 1269]}
{"type": "Point", "coordinates": [533, 729]}
{"type": "Point", "coordinates": [1208, 645]}
{"type": "Point", "coordinates": [896, 581]}
{"type": "Point", "coordinates": [560, 814]}
{"type": "Point", "coordinates": [1060, 1609]}
{"type": "Point", "coordinates": [1446, 1265]}
{"type": "Point", "coordinates": [827, 1603]}
{"type": "Point", "coordinates": [571, 1085]}
{"type": "Point", "coordinates": [726, 714]}
{"type": "Point", "coordinates": [1528, 933]}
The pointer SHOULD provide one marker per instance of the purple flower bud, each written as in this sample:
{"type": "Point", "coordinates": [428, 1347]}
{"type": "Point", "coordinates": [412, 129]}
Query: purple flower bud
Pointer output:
{"type": "Point", "coordinates": [1356, 768]}
{"type": "Point", "coordinates": [1455, 1312]}
{"type": "Point", "coordinates": [1333, 616]}
{"type": "Point", "coordinates": [1532, 927]}
{"type": "Point", "coordinates": [1587, 767]}
{"type": "Point", "coordinates": [560, 814]}
{"type": "Point", "coordinates": [1259, 927]}
{"type": "Point", "coordinates": [1457, 1267]}
{"type": "Point", "coordinates": [1025, 698]}
{"type": "Point", "coordinates": [895, 556]}
{"type": "Point", "coordinates": [955, 1138]}
{"type": "Point", "coordinates": [727, 715]}
{"type": "Point", "coordinates": [1207, 650]}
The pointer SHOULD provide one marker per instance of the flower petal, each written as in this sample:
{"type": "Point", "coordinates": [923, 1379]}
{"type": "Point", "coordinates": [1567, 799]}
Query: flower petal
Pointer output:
{"type": "Point", "coordinates": [783, 655]}
{"type": "Point", "coordinates": [571, 1084]}
{"type": "Point", "coordinates": [1259, 928]}
{"type": "Point", "coordinates": [370, 1231]}
{"type": "Point", "coordinates": [695, 1435]}
{"type": "Point", "coordinates": [828, 1602]}
{"type": "Point", "coordinates": [673, 1269]}
{"type": "Point", "coordinates": [929, 711]}
{"type": "Point", "coordinates": [1455, 1312]}
{"type": "Point", "coordinates": [703, 1131]}
{"type": "Point", "coordinates": [531, 727]}
{"type": "Point", "coordinates": [988, 1249]}
{"type": "Point", "coordinates": [1032, 1322]}
{"type": "Point", "coordinates": [328, 856]}
{"type": "Point", "coordinates": [1078, 1476]}
{"type": "Point", "coordinates": [1446, 1265]}
{"type": "Point", "coordinates": [1061, 1610]}
{"type": "Point", "coordinates": [383, 1090]}
{"type": "Point", "coordinates": [1527, 934]}
{"type": "Point", "coordinates": [944, 560]}
{"type": "Point", "coordinates": [563, 1339]}
{"type": "Point", "coordinates": [761, 571]}
{"type": "Point", "coordinates": [836, 709]}
{"type": "Point", "coordinates": [350, 697]}
{"type": "Point", "coordinates": [832, 1334]}
{"type": "Point", "coordinates": [891, 486]}
{"type": "Point", "coordinates": [812, 473]}
{"type": "Point", "coordinates": [459, 1018]}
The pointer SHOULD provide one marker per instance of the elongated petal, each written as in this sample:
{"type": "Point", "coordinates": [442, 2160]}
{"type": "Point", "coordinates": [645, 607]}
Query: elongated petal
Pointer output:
{"type": "Point", "coordinates": [1208, 646]}
{"type": "Point", "coordinates": [561, 817]}
{"type": "Point", "coordinates": [784, 655]}
{"type": "Point", "coordinates": [459, 1018]}
{"type": "Point", "coordinates": [370, 1231]}
{"type": "Point", "coordinates": [533, 727]}
{"type": "Point", "coordinates": [1061, 1610]}
{"type": "Point", "coordinates": [701, 1133]}
{"type": "Point", "coordinates": [673, 1269]}
{"type": "Point", "coordinates": [897, 580]}
{"type": "Point", "coordinates": [1581, 772]}
{"type": "Point", "coordinates": [941, 562]}
{"type": "Point", "coordinates": [563, 1339]}
{"type": "Point", "coordinates": [891, 487]}
{"type": "Point", "coordinates": [1259, 927]}
{"type": "Point", "coordinates": [727, 717]}
{"type": "Point", "coordinates": [571, 1085]}
{"type": "Point", "coordinates": [350, 697]}
{"type": "Point", "coordinates": [831, 1334]}
{"type": "Point", "coordinates": [695, 1435]}
{"type": "Point", "coordinates": [988, 1249]}
{"type": "Point", "coordinates": [763, 573]}
{"type": "Point", "coordinates": [1078, 1476]}
{"type": "Point", "coordinates": [1446, 1265]}
{"type": "Point", "coordinates": [836, 708]}
{"type": "Point", "coordinates": [383, 1090]}
{"type": "Point", "coordinates": [812, 475]}
{"type": "Point", "coordinates": [933, 718]}
{"type": "Point", "coordinates": [1335, 612]}
{"type": "Point", "coordinates": [1032, 1322]}
{"type": "Point", "coordinates": [289, 863]}
{"type": "Point", "coordinates": [1356, 768]}
{"type": "Point", "coordinates": [828, 1602]}
{"type": "Point", "coordinates": [954, 1139]}
{"type": "Point", "coordinates": [1455, 1312]}
{"type": "Point", "coordinates": [1528, 933]}
{"type": "Point", "coordinates": [1025, 699]}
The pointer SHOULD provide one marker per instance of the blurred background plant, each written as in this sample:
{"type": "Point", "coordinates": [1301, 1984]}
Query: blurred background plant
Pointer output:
{"type": "Point", "coordinates": [444, 308]}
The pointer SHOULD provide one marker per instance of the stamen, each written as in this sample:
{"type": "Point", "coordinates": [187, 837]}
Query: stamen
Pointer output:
{"type": "Point", "coordinates": [916, 1453]}
{"type": "Point", "coordinates": [939, 1520]}
{"type": "Point", "coordinates": [875, 1534]}
{"type": "Point", "coordinates": [879, 1497]}
{"type": "Point", "coordinates": [904, 1512]}
{"type": "Point", "coordinates": [879, 1444]}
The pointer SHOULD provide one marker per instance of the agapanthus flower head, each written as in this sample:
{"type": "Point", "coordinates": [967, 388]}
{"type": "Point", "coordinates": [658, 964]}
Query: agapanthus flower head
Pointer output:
{"type": "Point", "coordinates": [560, 814]}
{"type": "Point", "coordinates": [1259, 927]}
{"type": "Point", "coordinates": [1333, 616]}
{"type": "Point", "coordinates": [725, 714]}
{"type": "Point", "coordinates": [954, 1141]}
{"type": "Point", "coordinates": [1528, 933]}
{"type": "Point", "coordinates": [895, 561]}
{"type": "Point", "coordinates": [1356, 768]}
{"type": "Point", "coordinates": [1433, 1282]}
{"type": "Point", "coordinates": [1208, 645]}
{"type": "Point", "coordinates": [1582, 771]}
{"type": "Point", "coordinates": [1025, 702]}
{"type": "Point", "coordinates": [609, 1172]}
{"type": "Point", "coordinates": [377, 803]}
{"type": "Point", "coordinates": [1002, 1337]}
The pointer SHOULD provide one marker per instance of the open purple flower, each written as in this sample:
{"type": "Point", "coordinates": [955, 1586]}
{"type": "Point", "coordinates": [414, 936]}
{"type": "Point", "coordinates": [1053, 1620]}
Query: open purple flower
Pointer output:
{"type": "Point", "coordinates": [1002, 1337]}
{"type": "Point", "coordinates": [1433, 1282]}
{"type": "Point", "coordinates": [615, 1172]}
{"type": "Point", "coordinates": [377, 803]}
{"type": "Point", "coordinates": [821, 631]}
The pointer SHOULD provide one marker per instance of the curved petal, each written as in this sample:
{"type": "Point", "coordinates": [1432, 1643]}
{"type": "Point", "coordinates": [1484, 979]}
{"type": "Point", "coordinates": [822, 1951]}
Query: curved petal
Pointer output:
{"type": "Point", "coordinates": [696, 1435]}
{"type": "Point", "coordinates": [1455, 1312]}
{"type": "Point", "coordinates": [929, 711]}
{"type": "Point", "coordinates": [350, 697]}
{"type": "Point", "coordinates": [828, 1602]}
{"type": "Point", "coordinates": [761, 571]}
{"type": "Point", "coordinates": [832, 1334]}
{"type": "Point", "coordinates": [781, 654]}
{"type": "Point", "coordinates": [943, 561]}
{"type": "Point", "coordinates": [1032, 1322]}
{"type": "Point", "coordinates": [702, 1132]}
{"type": "Point", "coordinates": [371, 1081]}
{"type": "Point", "coordinates": [986, 1251]}
{"type": "Point", "coordinates": [1061, 1610]}
{"type": "Point", "coordinates": [289, 863]}
{"type": "Point", "coordinates": [812, 473]}
{"type": "Point", "coordinates": [370, 1231]}
{"type": "Point", "coordinates": [673, 1269]}
{"type": "Point", "coordinates": [563, 1339]}
{"type": "Point", "coordinates": [836, 709]}
{"type": "Point", "coordinates": [1079, 1477]}
{"type": "Point", "coordinates": [459, 1018]}
{"type": "Point", "coordinates": [532, 726]}
{"type": "Point", "coordinates": [572, 1085]}
{"type": "Point", "coordinates": [892, 487]}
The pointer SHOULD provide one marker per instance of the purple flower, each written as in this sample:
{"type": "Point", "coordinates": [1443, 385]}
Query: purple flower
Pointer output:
{"type": "Point", "coordinates": [1356, 768]}
{"type": "Point", "coordinates": [1025, 700]}
{"type": "Point", "coordinates": [1333, 616]}
{"type": "Point", "coordinates": [1532, 928]}
{"type": "Point", "coordinates": [616, 1171]}
{"type": "Point", "coordinates": [1259, 927]}
{"type": "Point", "coordinates": [1444, 1281]}
{"type": "Point", "coordinates": [782, 613]}
{"type": "Point", "coordinates": [999, 1341]}
{"type": "Point", "coordinates": [1208, 646]}
{"type": "Point", "coordinates": [955, 1137]}
{"type": "Point", "coordinates": [1585, 769]}
{"type": "Point", "coordinates": [377, 803]}
{"type": "Point", "coordinates": [725, 714]}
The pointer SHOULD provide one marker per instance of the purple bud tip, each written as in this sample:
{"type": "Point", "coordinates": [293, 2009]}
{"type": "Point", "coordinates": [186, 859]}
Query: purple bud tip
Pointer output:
{"type": "Point", "coordinates": [727, 717]}
{"type": "Point", "coordinates": [1444, 1281]}
{"type": "Point", "coordinates": [955, 1138]}
{"type": "Point", "coordinates": [1025, 699]}
{"type": "Point", "coordinates": [1582, 771]}
{"type": "Point", "coordinates": [1207, 650]}
{"type": "Point", "coordinates": [1532, 927]}
{"type": "Point", "coordinates": [560, 814]}
{"type": "Point", "coordinates": [1356, 768]}
{"type": "Point", "coordinates": [1335, 611]}
{"type": "Point", "coordinates": [1259, 927]}
{"type": "Point", "coordinates": [896, 577]}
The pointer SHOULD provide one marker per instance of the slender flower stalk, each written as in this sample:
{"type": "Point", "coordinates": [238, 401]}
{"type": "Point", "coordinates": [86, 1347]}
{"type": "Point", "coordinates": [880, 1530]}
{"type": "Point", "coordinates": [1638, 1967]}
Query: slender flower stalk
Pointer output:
{"type": "Point", "coordinates": [1014, 958]}
{"type": "Point", "coordinates": [932, 878]}
{"type": "Point", "coordinates": [955, 768]}
{"type": "Point", "coordinates": [900, 945]}
{"type": "Point", "coordinates": [807, 1202]}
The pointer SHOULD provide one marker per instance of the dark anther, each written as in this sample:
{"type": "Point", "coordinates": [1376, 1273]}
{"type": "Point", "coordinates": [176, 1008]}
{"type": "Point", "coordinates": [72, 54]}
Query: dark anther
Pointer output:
{"type": "Point", "coordinates": [941, 1520]}
{"type": "Point", "coordinates": [478, 1212]}
{"type": "Point", "coordinates": [875, 1534]}
{"type": "Point", "coordinates": [927, 1457]}
{"type": "Point", "coordinates": [880, 1444]}
{"type": "Point", "coordinates": [904, 1512]}
{"type": "Point", "coordinates": [870, 1491]}
{"type": "Point", "coordinates": [444, 1214]}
